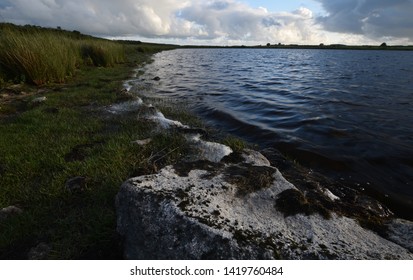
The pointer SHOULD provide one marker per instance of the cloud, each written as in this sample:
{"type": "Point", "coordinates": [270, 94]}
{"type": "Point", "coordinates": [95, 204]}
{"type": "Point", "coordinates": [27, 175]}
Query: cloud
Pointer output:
{"type": "Point", "coordinates": [372, 18]}
{"type": "Point", "coordinates": [233, 20]}
{"type": "Point", "coordinates": [218, 21]}
{"type": "Point", "coordinates": [99, 17]}
{"type": "Point", "coordinates": [200, 20]}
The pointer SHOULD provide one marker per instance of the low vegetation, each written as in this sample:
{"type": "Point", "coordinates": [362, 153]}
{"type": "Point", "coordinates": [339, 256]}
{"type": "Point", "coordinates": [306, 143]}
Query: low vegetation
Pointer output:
{"type": "Point", "coordinates": [70, 134]}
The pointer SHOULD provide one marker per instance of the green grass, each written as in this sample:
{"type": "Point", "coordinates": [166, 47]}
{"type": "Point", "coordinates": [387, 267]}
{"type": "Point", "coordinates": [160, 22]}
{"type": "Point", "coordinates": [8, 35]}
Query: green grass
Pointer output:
{"type": "Point", "coordinates": [41, 149]}
{"type": "Point", "coordinates": [235, 143]}
{"type": "Point", "coordinates": [41, 56]}
{"type": "Point", "coordinates": [71, 134]}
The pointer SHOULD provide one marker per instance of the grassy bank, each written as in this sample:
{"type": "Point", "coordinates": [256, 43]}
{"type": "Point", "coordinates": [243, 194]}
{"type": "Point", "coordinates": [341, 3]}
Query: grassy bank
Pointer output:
{"type": "Point", "coordinates": [42, 56]}
{"type": "Point", "coordinates": [70, 134]}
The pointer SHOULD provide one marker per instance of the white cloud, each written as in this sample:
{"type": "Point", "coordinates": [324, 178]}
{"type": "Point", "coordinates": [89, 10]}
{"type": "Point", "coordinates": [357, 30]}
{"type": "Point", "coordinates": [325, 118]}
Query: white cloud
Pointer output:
{"type": "Point", "coordinates": [233, 21]}
{"type": "Point", "coordinates": [215, 21]}
{"type": "Point", "coordinates": [100, 17]}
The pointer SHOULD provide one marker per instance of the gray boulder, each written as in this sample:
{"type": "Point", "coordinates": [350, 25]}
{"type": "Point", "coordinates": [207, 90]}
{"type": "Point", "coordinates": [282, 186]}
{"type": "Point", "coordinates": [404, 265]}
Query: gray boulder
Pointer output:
{"type": "Point", "coordinates": [232, 209]}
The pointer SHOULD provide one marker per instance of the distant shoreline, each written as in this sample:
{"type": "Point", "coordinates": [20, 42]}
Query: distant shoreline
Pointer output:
{"type": "Point", "coordinates": [310, 47]}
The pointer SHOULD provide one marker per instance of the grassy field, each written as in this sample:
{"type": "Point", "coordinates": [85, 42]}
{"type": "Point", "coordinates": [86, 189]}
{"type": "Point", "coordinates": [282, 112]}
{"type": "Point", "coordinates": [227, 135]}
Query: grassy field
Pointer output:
{"type": "Point", "coordinates": [70, 134]}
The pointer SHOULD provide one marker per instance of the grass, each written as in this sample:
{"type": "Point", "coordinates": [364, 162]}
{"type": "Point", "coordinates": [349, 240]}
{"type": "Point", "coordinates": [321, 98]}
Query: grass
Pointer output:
{"type": "Point", "coordinates": [40, 56]}
{"type": "Point", "coordinates": [71, 134]}
{"type": "Point", "coordinates": [235, 143]}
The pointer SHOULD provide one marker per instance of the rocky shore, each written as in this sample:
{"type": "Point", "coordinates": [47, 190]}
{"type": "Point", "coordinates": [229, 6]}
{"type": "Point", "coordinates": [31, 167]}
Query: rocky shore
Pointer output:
{"type": "Point", "coordinates": [224, 204]}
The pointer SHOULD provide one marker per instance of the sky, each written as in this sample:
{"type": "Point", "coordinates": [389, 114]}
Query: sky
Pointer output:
{"type": "Point", "coordinates": [224, 22]}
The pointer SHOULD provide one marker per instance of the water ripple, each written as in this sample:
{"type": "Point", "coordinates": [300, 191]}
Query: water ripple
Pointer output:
{"type": "Point", "coordinates": [342, 110]}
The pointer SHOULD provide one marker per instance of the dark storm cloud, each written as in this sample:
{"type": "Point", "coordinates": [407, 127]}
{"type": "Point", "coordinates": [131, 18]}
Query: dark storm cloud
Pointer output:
{"type": "Point", "coordinates": [373, 18]}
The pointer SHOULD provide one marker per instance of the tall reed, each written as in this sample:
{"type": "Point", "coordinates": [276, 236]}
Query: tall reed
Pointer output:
{"type": "Point", "coordinates": [101, 52]}
{"type": "Point", "coordinates": [45, 56]}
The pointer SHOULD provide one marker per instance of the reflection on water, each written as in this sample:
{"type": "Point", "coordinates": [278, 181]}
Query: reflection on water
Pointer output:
{"type": "Point", "coordinates": [348, 113]}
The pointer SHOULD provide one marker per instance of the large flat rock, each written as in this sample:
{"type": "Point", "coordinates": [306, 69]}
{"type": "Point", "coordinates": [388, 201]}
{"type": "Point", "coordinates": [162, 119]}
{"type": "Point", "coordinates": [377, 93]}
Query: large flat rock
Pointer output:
{"type": "Point", "coordinates": [236, 209]}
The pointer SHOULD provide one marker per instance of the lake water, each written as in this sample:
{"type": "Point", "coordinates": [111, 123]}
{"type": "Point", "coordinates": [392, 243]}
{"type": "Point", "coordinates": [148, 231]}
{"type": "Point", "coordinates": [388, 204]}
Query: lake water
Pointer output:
{"type": "Point", "coordinates": [346, 113]}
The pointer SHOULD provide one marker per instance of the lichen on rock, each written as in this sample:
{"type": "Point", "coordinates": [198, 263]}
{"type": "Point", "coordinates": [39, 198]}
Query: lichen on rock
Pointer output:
{"type": "Point", "coordinates": [197, 212]}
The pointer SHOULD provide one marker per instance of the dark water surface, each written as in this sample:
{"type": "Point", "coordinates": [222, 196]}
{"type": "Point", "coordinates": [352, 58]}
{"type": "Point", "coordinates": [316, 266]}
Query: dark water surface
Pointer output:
{"type": "Point", "coordinates": [346, 113]}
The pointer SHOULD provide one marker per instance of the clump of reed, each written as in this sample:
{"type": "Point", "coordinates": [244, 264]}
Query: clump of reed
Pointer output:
{"type": "Point", "coordinates": [99, 52]}
{"type": "Point", "coordinates": [40, 56]}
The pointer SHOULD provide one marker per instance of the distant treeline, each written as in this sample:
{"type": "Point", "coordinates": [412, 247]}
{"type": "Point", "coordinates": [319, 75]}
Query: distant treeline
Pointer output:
{"type": "Point", "coordinates": [383, 46]}
{"type": "Point", "coordinates": [321, 46]}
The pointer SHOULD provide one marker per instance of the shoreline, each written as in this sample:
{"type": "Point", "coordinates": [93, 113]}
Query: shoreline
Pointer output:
{"type": "Point", "coordinates": [345, 166]}
{"type": "Point", "coordinates": [310, 47]}
{"type": "Point", "coordinates": [197, 195]}
{"type": "Point", "coordinates": [108, 136]}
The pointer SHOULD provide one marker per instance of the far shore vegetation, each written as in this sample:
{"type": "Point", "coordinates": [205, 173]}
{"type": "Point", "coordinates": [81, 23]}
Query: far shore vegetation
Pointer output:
{"type": "Point", "coordinates": [381, 47]}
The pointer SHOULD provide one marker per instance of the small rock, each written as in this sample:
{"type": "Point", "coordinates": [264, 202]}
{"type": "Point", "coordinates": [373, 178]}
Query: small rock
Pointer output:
{"type": "Point", "coordinates": [330, 195]}
{"type": "Point", "coordinates": [156, 78]}
{"type": "Point", "coordinates": [39, 100]}
{"type": "Point", "coordinates": [206, 150]}
{"type": "Point", "coordinates": [124, 94]}
{"type": "Point", "coordinates": [76, 184]}
{"type": "Point", "coordinates": [254, 157]}
{"type": "Point", "coordinates": [9, 211]}
{"type": "Point", "coordinates": [143, 142]}
{"type": "Point", "coordinates": [40, 252]}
